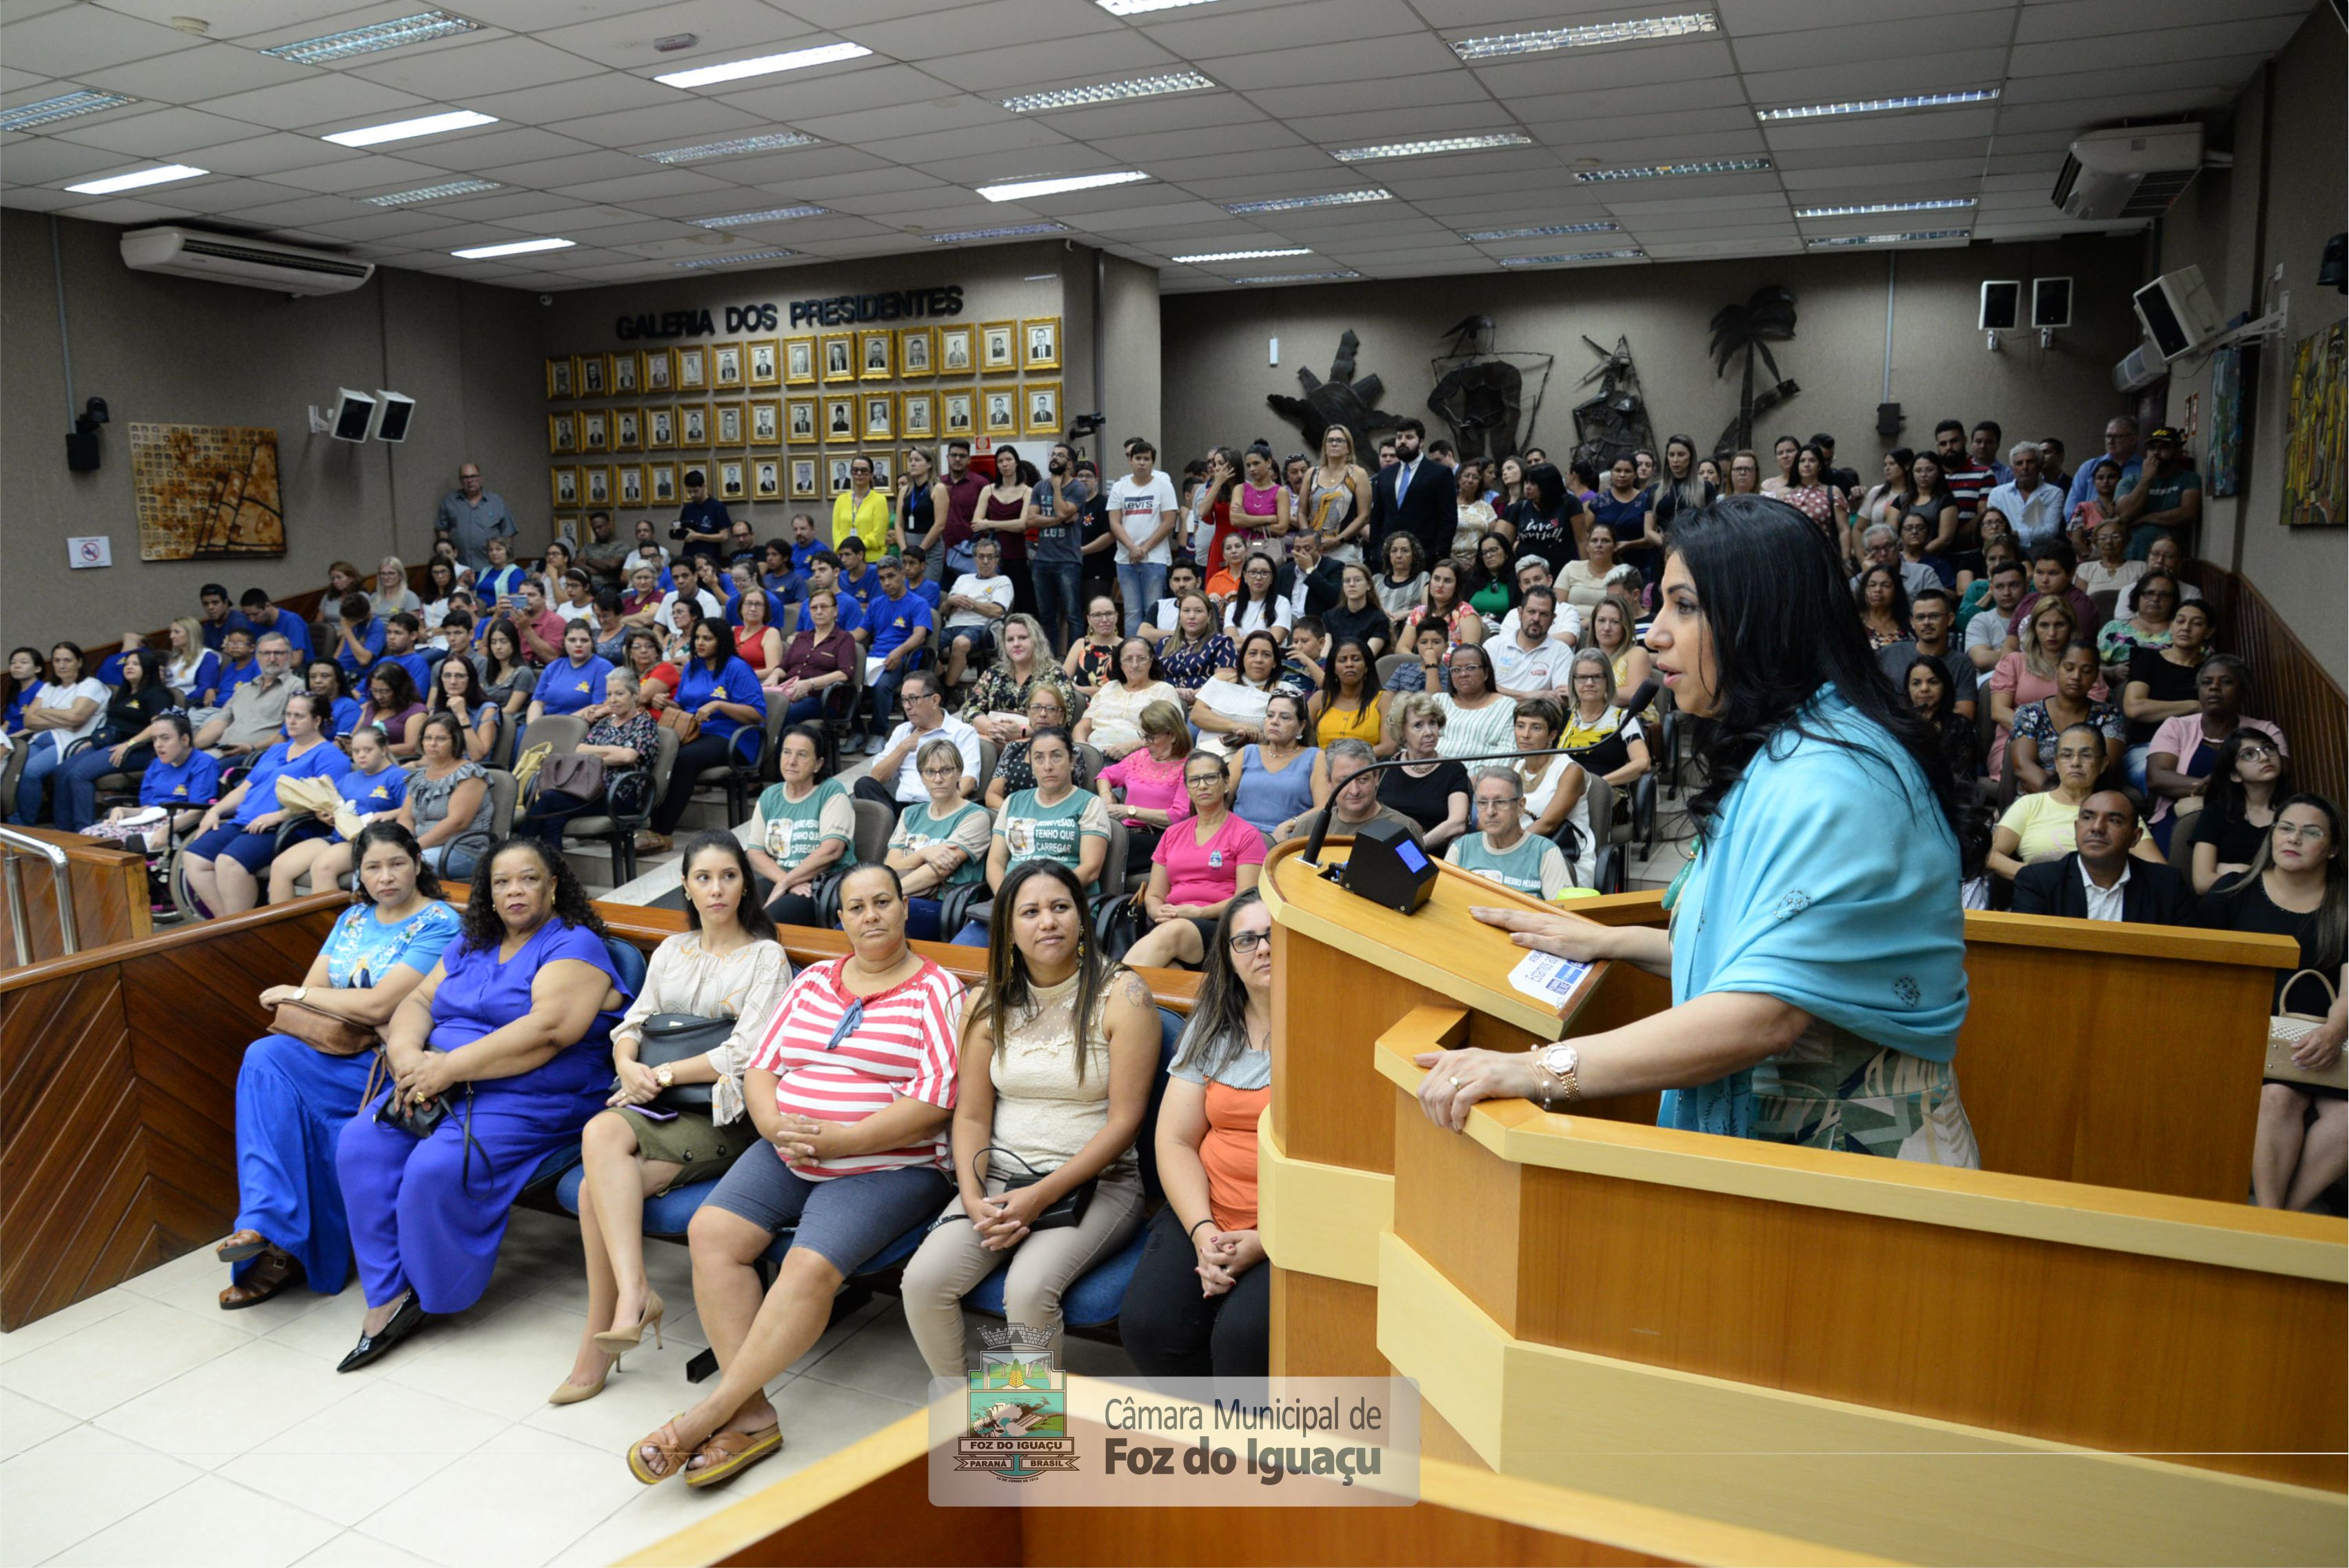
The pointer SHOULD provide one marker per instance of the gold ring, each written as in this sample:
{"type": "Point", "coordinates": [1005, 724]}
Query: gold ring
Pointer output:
{"type": "Point", "coordinates": [1455, 1083]}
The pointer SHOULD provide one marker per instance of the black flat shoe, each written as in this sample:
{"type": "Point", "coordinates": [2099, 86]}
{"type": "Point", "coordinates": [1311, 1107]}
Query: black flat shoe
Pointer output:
{"type": "Point", "coordinates": [405, 1321]}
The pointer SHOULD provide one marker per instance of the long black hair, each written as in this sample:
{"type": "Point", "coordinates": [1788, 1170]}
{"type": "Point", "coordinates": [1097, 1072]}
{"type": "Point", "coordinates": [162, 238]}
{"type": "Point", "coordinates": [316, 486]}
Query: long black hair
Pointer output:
{"type": "Point", "coordinates": [2224, 794]}
{"type": "Point", "coordinates": [757, 924]}
{"type": "Point", "coordinates": [1218, 1032]}
{"type": "Point", "coordinates": [1771, 588]}
{"type": "Point", "coordinates": [484, 928]}
{"type": "Point", "coordinates": [384, 830]}
{"type": "Point", "coordinates": [1009, 992]}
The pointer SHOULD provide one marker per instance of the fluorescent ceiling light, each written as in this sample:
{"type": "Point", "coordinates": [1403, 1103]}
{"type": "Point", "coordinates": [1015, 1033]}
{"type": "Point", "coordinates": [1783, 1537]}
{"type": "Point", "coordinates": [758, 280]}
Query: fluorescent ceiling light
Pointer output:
{"type": "Point", "coordinates": [1543, 231]}
{"type": "Point", "coordinates": [1136, 8]}
{"type": "Point", "coordinates": [1577, 256]}
{"type": "Point", "coordinates": [513, 248]}
{"type": "Point", "coordinates": [1505, 44]}
{"type": "Point", "coordinates": [767, 141]}
{"type": "Point", "coordinates": [1340, 275]}
{"type": "Point", "coordinates": [1010, 231]}
{"type": "Point", "coordinates": [733, 260]}
{"type": "Point", "coordinates": [1911, 238]}
{"type": "Point", "coordinates": [1662, 170]}
{"type": "Point", "coordinates": [770, 215]}
{"type": "Point", "coordinates": [764, 65]}
{"type": "Point", "coordinates": [408, 130]}
{"type": "Point", "coordinates": [1108, 92]}
{"type": "Point", "coordinates": [1206, 256]}
{"type": "Point", "coordinates": [367, 40]}
{"type": "Point", "coordinates": [162, 175]}
{"type": "Point", "coordinates": [1945, 204]}
{"type": "Point", "coordinates": [431, 192]}
{"type": "Point", "coordinates": [26, 116]}
{"type": "Point", "coordinates": [1292, 203]}
{"type": "Point", "coordinates": [1881, 105]}
{"type": "Point", "coordinates": [1437, 144]}
{"type": "Point", "coordinates": [1020, 189]}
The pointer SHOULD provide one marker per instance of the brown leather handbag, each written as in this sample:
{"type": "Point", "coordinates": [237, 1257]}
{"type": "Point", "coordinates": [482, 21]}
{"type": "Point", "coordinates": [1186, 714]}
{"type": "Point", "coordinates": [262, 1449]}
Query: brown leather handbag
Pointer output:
{"type": "Point", "coordinates": [323, 1032]}
{"type": "Point", "coordinates": [683, 719]}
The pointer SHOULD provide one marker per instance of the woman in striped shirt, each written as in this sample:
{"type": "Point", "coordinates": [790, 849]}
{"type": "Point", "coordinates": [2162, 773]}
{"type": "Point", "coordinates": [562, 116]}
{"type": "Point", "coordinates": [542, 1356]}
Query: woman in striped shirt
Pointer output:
{"type": "Point", "coordinates": [853, 1086]}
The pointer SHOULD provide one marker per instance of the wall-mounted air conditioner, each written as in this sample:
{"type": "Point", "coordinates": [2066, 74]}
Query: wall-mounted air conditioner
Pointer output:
{"type": "Point", "coordinates": [2132, 172]}
{"type": "Point", "coordinates": [2141, 369]}
{"type": "Point", "coordinates": [252, 264]}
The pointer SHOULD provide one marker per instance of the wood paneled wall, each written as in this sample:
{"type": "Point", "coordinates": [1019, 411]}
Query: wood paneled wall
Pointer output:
{"type": "Point", "coordinates": [2288, 687]}
{"type": "Point", "coordinates": [106, 884]}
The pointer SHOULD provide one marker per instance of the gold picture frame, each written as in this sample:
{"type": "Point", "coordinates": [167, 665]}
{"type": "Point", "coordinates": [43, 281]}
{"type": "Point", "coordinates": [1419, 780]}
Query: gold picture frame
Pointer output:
{"type": "Point", "coordinates": [766, 362]}
{"type": "Point", "coordinates": [884, 471]}
{"type": "Point", "coordinates": [588, 376]}
{"type": "Point", "coordinates": [918, 352]}
{"type": "Point", "coordinates": [595, 485]}
{"type": "Point", "coordinates": [799, 361]}
{"type": "Point", "coordinates": [627, 429]}
{"type": "Point", "coordinates": [767, 479]}
{"type": "Point", "coordinates": [958, 414]}
{"type": "Point", "coordinates": [840, 421]}
{"type": "Point", "coordinates": [803, 479]}
{"type": "Point", "coordinates": [798, 422]}
{"type": "Point", "coordinates": [998, 347]}
{"type": "Point", "coordinates": [836, 472]}
{"type": "Point", "coordinates": [726, 367]}
{"type": "Point", "coordinates": [693, 369]}
{"type": "Point", "coordinates": [729, 425]}
{"type": "Point", "coordinates": [629, 485]}
{"type": "Point", "coordinates": [1000, 412]}
{"type": "Point", "coordinates": [879, 421]}
{"type": "Point", "coordinates": [660, 369]}
{"type": "Point", "coordinates": [660, 428]}
{"type": "Point", "coordinates": [876, 355]}
{"type": "Point", "coordinates": [661, 483]}
{"type": "Point", "coordinates": [595, 430]}
{"type": "Point", "coordinates": [562, 434]}
{"type": "Point", "coordinates": [733, 484]}
{"type": "Point", "coordinates": [957, 354]}
{"type": "Point", "coordinates": [1040, 343]}
{"type": "Point", "coordinates": [1040, 404]}
{"type": "Point", "coordinates": [558, 376]}
{"type": "Point", "coordinates": [692, 425]}
{"type": "Point", "coordinates": [917, 415]}
{"type": "Point", "coordinates": [624, 369]}
{"type": "Point", "coordinates": [839, 357]}
{"type": "Point", "coordinates": [562, 486]}
{"type": "Point", "coordinates": [766, 421]}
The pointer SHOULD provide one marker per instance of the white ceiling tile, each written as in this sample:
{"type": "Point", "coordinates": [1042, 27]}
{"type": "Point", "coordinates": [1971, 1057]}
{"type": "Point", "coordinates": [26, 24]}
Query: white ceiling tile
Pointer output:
{"type": "Point", "coordinates": [165, 133]}
{"type": "Point", "coordinates": [126, 210]}
{"type": "Point", "coordinates": [233, 195]}
{"type": "Point", "coordinates": [186, 76]}
{"type": "Point", "coordinates": [576, 169]}
{"type": "Point", "coordinates": [604, 94]}
{"type": "Point", "coordinates": [1042, 24]}
{"type": "Point", "coordinates": [325, 98]}
{"type": "Point", "coordinates": [238, 18]}
{"type": "Point", "coordinates": [653, 182]}
{"type": "Point", "coordinates": [2080, 20]}
{"type": "Point", "coordinates": [1902, 41]}
{"type": "Point", "coordinates": [1951, 67]}
{"type": "Point", "coordinates": [1203, 33]}
{"type": "Point", "coordinates": [453, 74]}
{"type": "Point", "coordinates": [2123, 54]}
{"type": "Point", "coordinates": [1371, 123]}
{"type": "Point", "coordinates": [374, 172]}
{"type": "Point", "coordinates": [14, 82]}
{"type": "Point", "coordinates": [686, 120]}
{"type": "Point", "coordinates": [1624, 127]}
{"type": "Point", "coordinates": [300, 211]}
{"type": "Point", "coordinates": [47, 160]}
{"type": "Point", "coordinates": [1799, 181]}
{"type": "Point", "coordinates": [1883, 130]}
{"type": "Point", "coordinates": [2225, 74]}
{"type": "Point", "coordinates": [2078, 117]}
{"type": "Point", "coordinates": [726, 31]}
{"type": "Point", "coordinates": [778, 173]}
{"type": "Point", "coordinates": [883, 122]}
{"type": "Point", "coordinates": [273, 153]}
{"type": "Point", "coordinates": [1028, 146]}
{"type": "Point", "coordinates": [1077, 62]}
{"type": "Point", "coordinates": [1293, 100]}
{"type": "Point", "coordinates": [1355, 60]}
{"type": "Point", "coordinates": [1689, 251]}
{"type": "Point", "coordinates": [1748, 18]}
{"type": "Point", "coordinates": [1544, 78]}
{"type": "Point", "coordinates": [82, 38]}
{"type": "Point", "coordinates": [834, 89]}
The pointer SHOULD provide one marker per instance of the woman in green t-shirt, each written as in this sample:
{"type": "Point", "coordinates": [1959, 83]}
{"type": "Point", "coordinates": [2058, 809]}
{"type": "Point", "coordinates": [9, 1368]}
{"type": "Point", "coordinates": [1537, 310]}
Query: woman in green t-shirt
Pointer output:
{"type": "Point", "coordinates": [800, 829]}
{"type": "Point", "coordinates": [941, 844]}
{"type": "Point", "coordinates": [1055, 820]}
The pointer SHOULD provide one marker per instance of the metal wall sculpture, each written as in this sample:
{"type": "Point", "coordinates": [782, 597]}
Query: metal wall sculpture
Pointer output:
{"type": "Point", "coordinates": [1480, 391]}
{"type": "Point", "coordinates": [1748, 331]}
{"type": "Point", "coordinates": [1340, 400]}
{"type": "Point", "coordinates": [1613, 421]}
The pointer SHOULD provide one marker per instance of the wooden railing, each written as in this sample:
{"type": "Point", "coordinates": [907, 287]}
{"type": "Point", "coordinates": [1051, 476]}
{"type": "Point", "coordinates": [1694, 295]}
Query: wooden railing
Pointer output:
{"type": "Point", "coordinates": [2288, 687]}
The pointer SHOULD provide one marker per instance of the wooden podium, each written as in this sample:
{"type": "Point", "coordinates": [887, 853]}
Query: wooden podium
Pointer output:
{"type": "Point", "coordinates": [1855, 1352]}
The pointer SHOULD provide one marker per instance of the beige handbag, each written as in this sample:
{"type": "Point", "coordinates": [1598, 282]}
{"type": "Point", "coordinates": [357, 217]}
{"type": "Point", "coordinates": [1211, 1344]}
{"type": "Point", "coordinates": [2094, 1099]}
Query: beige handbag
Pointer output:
{"type": "Point", "coordinates": [2287, 1030]}
{"type": "Point", "coordinates": [312, 798]}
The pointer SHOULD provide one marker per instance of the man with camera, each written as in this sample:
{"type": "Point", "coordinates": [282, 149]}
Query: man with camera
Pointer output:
{"type": "Point", "coordinates": [702, 523]}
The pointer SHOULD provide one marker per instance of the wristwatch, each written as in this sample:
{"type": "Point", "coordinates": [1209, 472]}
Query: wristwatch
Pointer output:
{"type": "Point", "coordinates": [666, 1074]}
{"type": "Point", "coordinates": [301, 993]}
{"type": "Point", "coordinates": [1560, 1061]}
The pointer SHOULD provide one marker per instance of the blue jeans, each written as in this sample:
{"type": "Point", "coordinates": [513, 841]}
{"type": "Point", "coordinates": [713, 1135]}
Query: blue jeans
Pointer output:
{"type": "Point", "coordinates": [76, 797]}
{"type": "Point", "coordinates": [1140, 586]}
{"type": "Point", "coordinates": [1059, 601]}
{"type": "Point", "coordinates": [40, 760]}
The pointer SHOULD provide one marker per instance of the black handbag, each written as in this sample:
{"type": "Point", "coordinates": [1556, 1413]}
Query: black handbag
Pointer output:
{"type": "Point", "coordinates": [417, 1120]}
{"type": "Point", "coordinates": [673, 1037]}
{"type": "Point", "coordinates": [1068, 1209]}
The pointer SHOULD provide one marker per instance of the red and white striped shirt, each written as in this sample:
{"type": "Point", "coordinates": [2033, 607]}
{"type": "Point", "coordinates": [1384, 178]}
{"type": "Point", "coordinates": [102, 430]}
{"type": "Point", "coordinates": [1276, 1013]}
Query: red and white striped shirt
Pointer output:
{"type": "Point", "coordinates": [905, 1045]}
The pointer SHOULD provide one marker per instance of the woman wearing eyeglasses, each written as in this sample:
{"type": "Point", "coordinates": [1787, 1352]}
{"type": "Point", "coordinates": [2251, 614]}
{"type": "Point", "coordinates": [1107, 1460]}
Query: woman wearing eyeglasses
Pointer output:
{"type": "Point", "coordinates": [853, 1086]}
{"type": "Point", "coordinates": [2249, 775]}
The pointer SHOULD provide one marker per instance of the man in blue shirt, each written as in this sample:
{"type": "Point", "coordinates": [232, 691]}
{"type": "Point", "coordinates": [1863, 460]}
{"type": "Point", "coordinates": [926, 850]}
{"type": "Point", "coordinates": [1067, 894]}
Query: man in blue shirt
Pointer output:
{"type": "Point", "coordinates": [900, 624]}
{"type": "Point", "coordinates": [262, 615]}
{"type": "Point", "coordinates": [2032, 507]}
{"type": "Point", "coordinates": [703, 523]}
{"type": "Point", "coordinates": [916, 564]}
{"type": "Point", "coordinates": [823, 577]}
{"type": "Point", "coordinates": [804, 544]}
{"type": "Point", "coordinates": [2120, 445]}
{"type": "Point", "coordinates": [1987, 435]}
{"type": "Point", "coordinates": [855, 576]}
{"type": "Point", "coordinates": [219, 617]}
{"type": "Point", "coordinates": [237, 666]}
{"type": "Point", "coordinates": [362, 642]}
{"type": "Point", "coordinates": [471, 517]}
{"type": "Point", "coordinates": [399, 634]}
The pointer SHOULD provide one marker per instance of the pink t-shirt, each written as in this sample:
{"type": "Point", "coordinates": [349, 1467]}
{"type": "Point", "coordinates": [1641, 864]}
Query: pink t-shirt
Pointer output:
{"type": "Point", "coordinates": [1207, 873]}
{"type": "Point", "coordinates": [1150, 783]}
{"type": "Point", "coordinates": [2012, 675]}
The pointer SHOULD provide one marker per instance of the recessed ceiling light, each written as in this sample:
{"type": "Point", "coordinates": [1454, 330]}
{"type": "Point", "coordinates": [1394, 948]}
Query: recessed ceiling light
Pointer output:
{"type": "Point", "coordinates": [736, 259]}
{"type": "Point", "coordinates": [1020, 189]}
{"type": "Point", "coordinates": [770, 215]}
{"type": "Point", "coordinates": [1665, 171]}
{"type": "Point", "coordinates": [1881, 105]}
{"type": "Point", "coordinates": [1911, 238]}
{"type": "Point", "coordinates": [431, 192]}
{"type": "Point", "coordinates": [1504, 44]}
{"type": "Point", "coordinates": [764, 65]}
{"type": "Point", "coordinates": [1206, 256]}
{"type": "Point", "coordinates": [1577, 256]}
{"type": "Point", "coordinates": [1010, 230]}
{"type": "Point", "coordinates": [1436, 144]}
{"type": "Point", "coordinates": [513, 248]}
{"type": "Point", "coordinates": [1944, 205]}
{"type": "Point", "coordinates": [26, 116]}
{"type": "Point", "coordinates": [1136, 8]}
{"type": "Point", "coordinates": [367, 40]}
{"type": "Point", "coordinates": [1107, 92]}
{"type": "Point", "coordinates": [162, 174]}
{"type": "Point", "coordinates": [408, 130]}
{"type": "Point", "coordinates": [1543, 231]}
{"type": "Point", "coordinates": [1340, 275]}
{"type": "Point", "coordinates": [767, 141]}
{"type": "Point", "coordinates": [1292, 203]}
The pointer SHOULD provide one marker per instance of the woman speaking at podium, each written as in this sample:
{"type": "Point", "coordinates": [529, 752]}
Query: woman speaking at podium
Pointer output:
{"type": "Point", "coordinates": [1816, 949]}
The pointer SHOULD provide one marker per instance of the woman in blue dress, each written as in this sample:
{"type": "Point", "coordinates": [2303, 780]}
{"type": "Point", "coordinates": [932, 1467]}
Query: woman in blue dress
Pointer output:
{"type": "Point", "coordinates": [1817, 950]}
{"type": "Point", "coordinates": [293, 1098]}
{"type": "Point", "coordinates": [237, 838]}
{"type": "Point", "coordinates": [717, 688]}
{"type": "Point", "coordinates": [509, 1040]}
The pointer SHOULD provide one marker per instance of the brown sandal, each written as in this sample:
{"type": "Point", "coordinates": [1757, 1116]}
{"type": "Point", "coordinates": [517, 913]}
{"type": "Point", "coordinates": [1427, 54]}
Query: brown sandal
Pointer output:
{"type": "Point", "coordinates": [273, 1271]}
{"type": "Point", "coordinates": [726, 1453]}
{"type": "Point", "coordinates": [669, 1456]}
{"type": "Point", "coordinates": [243, 1245]}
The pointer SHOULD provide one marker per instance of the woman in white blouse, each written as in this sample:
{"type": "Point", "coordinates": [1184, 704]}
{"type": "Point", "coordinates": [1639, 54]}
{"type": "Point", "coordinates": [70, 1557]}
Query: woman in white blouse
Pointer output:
{"type": "Point", "coordinates": [725, 964]}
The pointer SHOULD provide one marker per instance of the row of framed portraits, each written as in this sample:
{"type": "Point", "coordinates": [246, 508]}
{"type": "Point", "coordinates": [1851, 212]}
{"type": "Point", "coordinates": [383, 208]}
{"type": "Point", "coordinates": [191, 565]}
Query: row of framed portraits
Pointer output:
{"type": "Point", "coordinates": [853, 418]}
{"type": "Point", "coordinates": [829, 358]}
{"type": "Point", "coordinates": [626, 484]}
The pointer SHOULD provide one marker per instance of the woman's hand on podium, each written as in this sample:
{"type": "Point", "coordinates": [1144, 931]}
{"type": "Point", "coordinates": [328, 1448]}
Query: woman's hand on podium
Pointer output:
{"type": "Point", "coordinates": [1458, 1079]}
{"type": "Point", "coordinates": [1583, 940]}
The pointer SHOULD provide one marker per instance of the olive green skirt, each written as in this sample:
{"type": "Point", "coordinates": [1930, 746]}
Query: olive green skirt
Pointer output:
{"type": "Point", "coordinates": [700, 1147]}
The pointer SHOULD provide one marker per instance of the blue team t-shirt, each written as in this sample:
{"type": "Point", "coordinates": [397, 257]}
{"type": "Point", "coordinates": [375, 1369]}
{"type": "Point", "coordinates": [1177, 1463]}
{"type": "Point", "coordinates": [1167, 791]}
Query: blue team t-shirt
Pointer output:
{"type": "Point", "coordinates": [195, 782]}
{"type": "Point", "coordinates": [370, 636]}
{"type": "Point", "coordinates": [565, 688]}
{"type": "Point", "coordinates": [734, 683]}
{"type": "Point", "coordinates": [323, 760]}
{"type": "Point", "coordinates": [894, 620]}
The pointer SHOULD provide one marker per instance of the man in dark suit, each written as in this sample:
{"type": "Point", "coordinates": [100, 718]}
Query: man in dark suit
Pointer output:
{"type": "Point", "coordinates": [2103, 879]}
{"type": "Point", "coordinates": [1309, 580]}
{"type": "Point", "coordinates": [1417, 494]}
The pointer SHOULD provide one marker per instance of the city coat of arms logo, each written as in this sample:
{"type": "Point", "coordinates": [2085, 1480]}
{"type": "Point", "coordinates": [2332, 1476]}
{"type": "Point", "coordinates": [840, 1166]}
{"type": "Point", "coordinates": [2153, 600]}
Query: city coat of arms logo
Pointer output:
{"type": "Point", "coordinates": [1016, 1409]}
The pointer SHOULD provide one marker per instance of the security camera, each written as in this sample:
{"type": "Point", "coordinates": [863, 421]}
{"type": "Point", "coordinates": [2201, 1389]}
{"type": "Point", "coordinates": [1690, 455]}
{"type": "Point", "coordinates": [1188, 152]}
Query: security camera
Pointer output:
{"type": "Point", "coordinates": [547, 300]}
{"type": "Point", "coordinates": [93, 412]}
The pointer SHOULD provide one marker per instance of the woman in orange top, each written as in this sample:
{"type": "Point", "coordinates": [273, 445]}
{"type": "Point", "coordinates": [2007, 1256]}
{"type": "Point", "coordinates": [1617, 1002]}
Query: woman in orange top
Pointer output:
{"type": "Point", "coordinates": [1200, 1302]}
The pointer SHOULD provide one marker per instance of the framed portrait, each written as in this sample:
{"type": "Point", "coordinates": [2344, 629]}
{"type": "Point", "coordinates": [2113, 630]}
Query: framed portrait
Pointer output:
{"type": "Point", "coordinates": [880, 416]}
{"type": "Point", "coordinates": [660, 369]}
{"type": "Point", "coordinates": [957, 414]}
{"type": "Point", "coordinates": [725, 366]}
{"type": "Point", "coordinates": [562, 486]}
{"type": "Point", "coordinates": [875, 352]}
{"type": "Point", "coordinates": [1041, 401]}
{"type": "Point", "coordinates": [693, 369]}
{"type": "Point", "coordinates": [767, 479]}
{"type": "Point", "coordinates": [839, 357]}
{"type": "Point", "coordinates": [629, 485]}
{"type": "Point", "coordinates": [587, 376]}
{"type": "Point", "coordinates": [558, 376]}
{"type": "Point", "coordinates": [595, 430]}
{"type": "Point", "coordinates": [660, 429]}
{"type": "Point", "coordinates": [766, 362]}
{"type": "Point", "coordinates": [955, 350]}
{"type": "Point", "coordinates": [562, 434]}
{"type": "Point", "coordinates": [839, 421]}
{"type": "Point", "coordinates": [728, 427]}
{"type": "Point", "coordinates": [627, 429]}
{"type": "Point", "coordinates": [693, 424]}
{"type": "Point", "coordinates": [596, 486]}
{"type": "Point", "coordinates": [917, 352]}
{"type": "Point", "coordinates": [798, 422]}
{"type": "Point", "coordinates": [1040, 343]}
{"type": "Point", "coordinates": [799, 361]}
{"type": "Point", "coordinates": [803, 479]}
{"type": "Point", "coordinates": [733, 482]}
{"type": "Point", "coordinates": [917, 415]}
{"type": "Point", "coordinates": [1001, 410]}
{"type": "Point", "coordinates": [766, 421]}
{"type": "Point", "coordinates": [839, 472]}
{"type": "Point", "coordinates": [625, 367]}
{"type": "Point", "coordinates": [661, 483]}
{"type": "Point", "coordinates": [885, 469]}
{"type": "Point", "coordinates": [568, 526]}
{"type": "Point", "coordinates": [999, 346]}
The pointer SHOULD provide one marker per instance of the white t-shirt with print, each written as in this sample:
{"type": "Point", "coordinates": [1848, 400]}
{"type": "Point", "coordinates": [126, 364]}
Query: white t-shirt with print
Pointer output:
{"type": "Point", "coordinates": [1139, 507]}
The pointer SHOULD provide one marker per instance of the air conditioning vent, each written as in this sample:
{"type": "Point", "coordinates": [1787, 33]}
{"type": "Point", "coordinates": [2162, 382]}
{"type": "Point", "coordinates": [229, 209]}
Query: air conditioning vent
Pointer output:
{"type": "Point", "coordinates": [2131, 173]}
{"type": "Point", "coordinates": [254, 264]}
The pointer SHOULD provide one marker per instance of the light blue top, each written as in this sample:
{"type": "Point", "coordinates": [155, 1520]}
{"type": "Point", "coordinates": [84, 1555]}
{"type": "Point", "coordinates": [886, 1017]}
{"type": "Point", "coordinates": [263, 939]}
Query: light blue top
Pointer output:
{"type": "Point", "coordinates": [1829, 880]}
{"type": "Point", "coordinates": [361, 949]}
{"type": "Point", "coordinates": [1266, 799]}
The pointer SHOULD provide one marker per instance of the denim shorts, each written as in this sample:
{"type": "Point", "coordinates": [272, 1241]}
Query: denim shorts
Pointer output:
{"type": "Point", "coordinates": [844, 1219]}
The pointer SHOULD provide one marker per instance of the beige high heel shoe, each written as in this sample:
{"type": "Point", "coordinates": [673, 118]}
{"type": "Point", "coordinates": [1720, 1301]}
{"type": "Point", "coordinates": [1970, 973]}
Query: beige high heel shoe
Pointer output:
{"type": "Point", "coordinates": [569, 1393]}
{"type": "Point", "coordinates": [618, 1340]}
